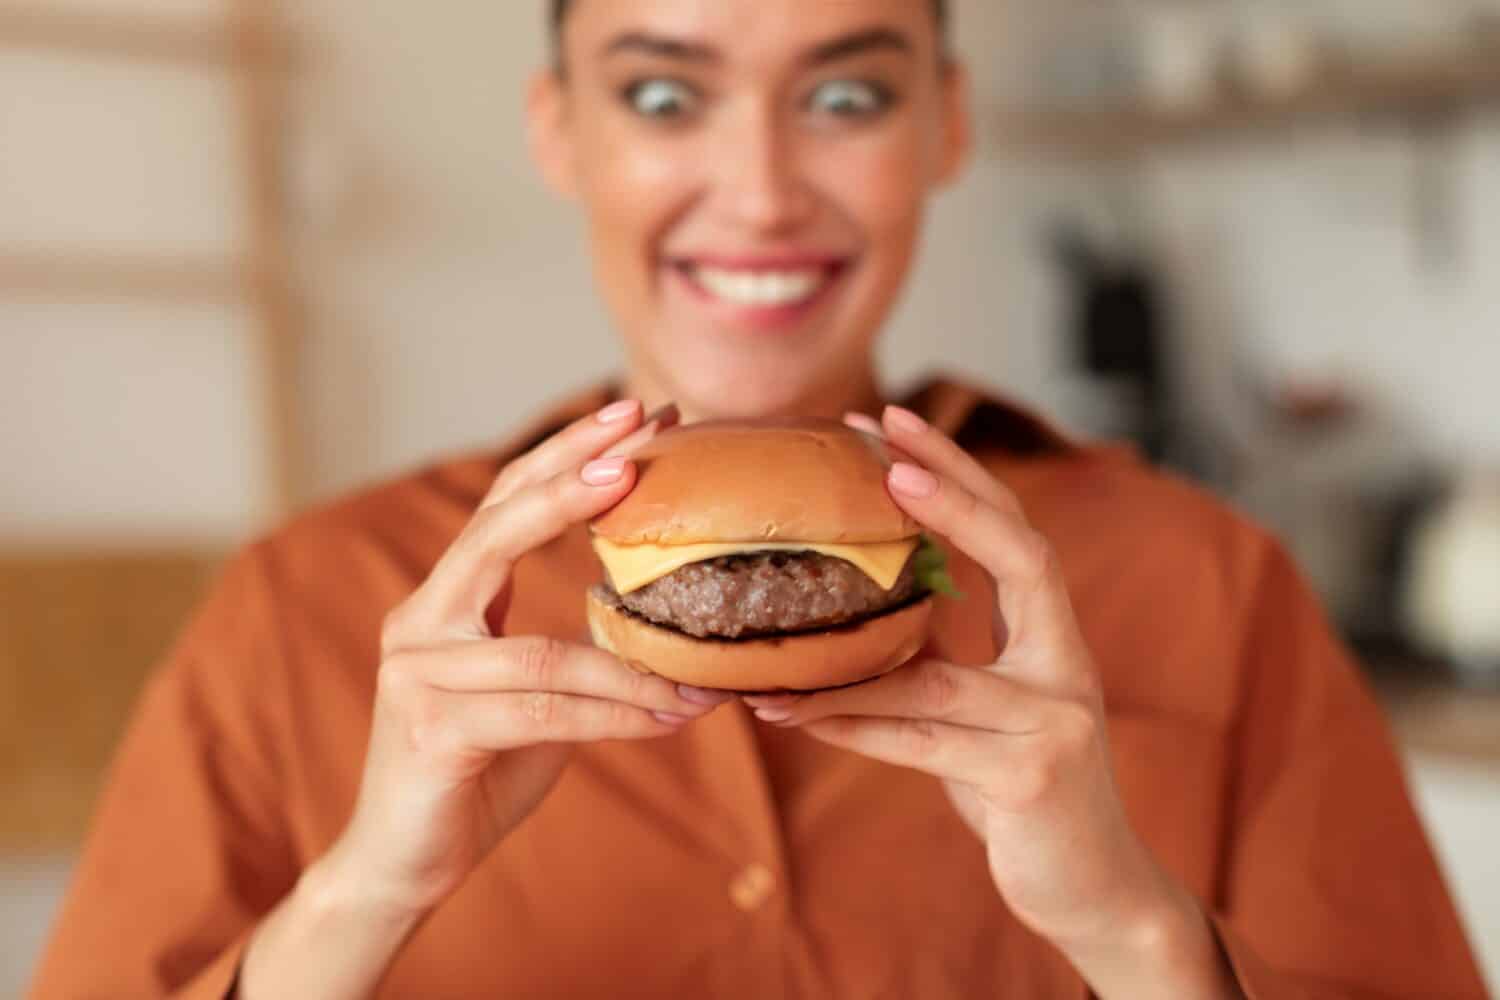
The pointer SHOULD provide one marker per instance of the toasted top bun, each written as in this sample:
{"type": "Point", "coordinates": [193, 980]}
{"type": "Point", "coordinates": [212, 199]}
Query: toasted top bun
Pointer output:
{"type": "Point", "coordinates": [788, 480]}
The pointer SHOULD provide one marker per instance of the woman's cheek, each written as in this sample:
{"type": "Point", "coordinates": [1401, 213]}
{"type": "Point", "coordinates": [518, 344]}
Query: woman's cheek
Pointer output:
{"type": "Point", "coordinates": [634, 188]}
{"type": "Point", "coordinates": [635, 178]}
{"type": "Point", "coordinates": [890, 192]}
{"type": "Point", "coordinates": [885, 207]}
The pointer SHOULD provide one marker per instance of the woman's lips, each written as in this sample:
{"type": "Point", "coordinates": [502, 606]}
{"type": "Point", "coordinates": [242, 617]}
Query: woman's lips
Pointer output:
{"type": "Point", "coordinates": [760, 293]}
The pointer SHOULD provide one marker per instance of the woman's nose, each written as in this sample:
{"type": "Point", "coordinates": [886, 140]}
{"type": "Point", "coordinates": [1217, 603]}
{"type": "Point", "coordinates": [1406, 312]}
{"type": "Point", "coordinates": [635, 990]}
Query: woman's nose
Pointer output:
{"type": "Point", "coordinates": [760, 185]}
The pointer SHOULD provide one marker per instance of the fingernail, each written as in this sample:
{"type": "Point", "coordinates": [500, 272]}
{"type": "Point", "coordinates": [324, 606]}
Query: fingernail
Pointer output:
{"type": "Point", "coordinates": [603, 471]}
{"type": "Point", "coordinates": [861, 422]}
{"type": "Point", "coordinates": [616, 412]}
{"type": "Point", "coordinates": [702, 696]}
{"type": "Point", "coordinates": [670, 718]}
{"type": "Point", "coordinates": [773, 714]}
{"type": "Point", "coordinates": [913, 481]}
{"type": "Point", "coordinates": [905, 420]}
{"type": "Point", "coordinates": [665, 416]}
{"type": "Point", "coordinates": [782, 698]}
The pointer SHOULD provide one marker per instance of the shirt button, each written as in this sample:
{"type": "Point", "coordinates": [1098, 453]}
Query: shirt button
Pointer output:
{"type": "Point", "coordinates": [752, 887]}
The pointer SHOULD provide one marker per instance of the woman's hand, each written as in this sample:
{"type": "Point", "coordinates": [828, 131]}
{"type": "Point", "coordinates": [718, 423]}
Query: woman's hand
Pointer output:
{"type": "Point", "coordinates": [470, 730]}
{"type": "Point", "coordinates": [1021, 745]}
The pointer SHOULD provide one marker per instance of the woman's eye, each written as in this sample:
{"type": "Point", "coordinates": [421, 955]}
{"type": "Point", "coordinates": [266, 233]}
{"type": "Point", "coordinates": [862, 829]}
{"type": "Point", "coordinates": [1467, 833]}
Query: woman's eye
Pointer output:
{"type": "Point", "coordinates": [850, 98]}
{"type": "Point", "coordinates": [660, 98]}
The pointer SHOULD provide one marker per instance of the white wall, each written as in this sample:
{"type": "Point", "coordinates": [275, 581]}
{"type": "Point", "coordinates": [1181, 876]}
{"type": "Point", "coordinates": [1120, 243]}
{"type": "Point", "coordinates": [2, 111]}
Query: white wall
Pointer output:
{"type": "Point", "coordinates": [1367, 252]}
{"type": "Point", "coordinates": [1460, 803]}
{"type": "Point", "coordinates": [123, 420]}
{"type": "Point", "coordinates": [31, 889]}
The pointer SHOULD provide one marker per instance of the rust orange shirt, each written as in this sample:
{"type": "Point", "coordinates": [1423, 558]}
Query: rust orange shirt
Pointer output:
{"type": "Point", "coordinates": [737, 860]}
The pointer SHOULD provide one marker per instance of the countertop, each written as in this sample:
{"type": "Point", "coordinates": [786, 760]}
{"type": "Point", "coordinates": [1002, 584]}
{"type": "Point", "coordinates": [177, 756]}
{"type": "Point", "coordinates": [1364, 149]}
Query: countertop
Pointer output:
{"type": "Point", "coordinates": [1434, 712]}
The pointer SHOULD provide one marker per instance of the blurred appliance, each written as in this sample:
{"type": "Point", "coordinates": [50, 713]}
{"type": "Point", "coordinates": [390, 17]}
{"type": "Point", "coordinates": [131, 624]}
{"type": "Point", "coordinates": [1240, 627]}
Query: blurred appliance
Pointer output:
{"type": "Point", "coordinates": [1124, 356]}
{"type": "Point", "coordinates": [1115, 327]}
{"type": "Point", "coordinates": [1342, 483]}
{"type": "Point", "coordinates": [1452, 589]}
{"type": "Point", "coordinates": [1121, 348]}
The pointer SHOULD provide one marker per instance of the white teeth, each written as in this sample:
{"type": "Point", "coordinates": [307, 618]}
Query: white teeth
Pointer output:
{"type": "Point", "coordinates": [761, 288]}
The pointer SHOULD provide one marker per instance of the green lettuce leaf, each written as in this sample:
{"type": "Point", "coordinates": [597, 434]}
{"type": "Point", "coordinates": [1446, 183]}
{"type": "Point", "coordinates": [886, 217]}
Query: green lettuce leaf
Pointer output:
{"type": "Point", "coordinates": [930, 567]}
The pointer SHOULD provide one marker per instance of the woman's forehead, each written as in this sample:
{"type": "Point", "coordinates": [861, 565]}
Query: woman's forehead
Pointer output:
{"type": "Point", "coordinates": [730, 26]}
{"type": "Point", "coordinates": [561, 9]}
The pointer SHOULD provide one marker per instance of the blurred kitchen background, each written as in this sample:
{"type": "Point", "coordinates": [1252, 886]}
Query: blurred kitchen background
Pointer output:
{"type": "Point", "coordinates": [252, 257]}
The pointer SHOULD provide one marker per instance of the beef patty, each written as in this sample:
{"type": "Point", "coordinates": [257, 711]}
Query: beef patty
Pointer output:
{"type": "Point", "coordinates": [760, 593]}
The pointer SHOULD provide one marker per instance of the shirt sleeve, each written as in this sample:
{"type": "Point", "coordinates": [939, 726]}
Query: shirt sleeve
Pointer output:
{"type": "Point", "coordinates": [188, 847]}
{"type": "Point", "coordinates": [1331, 890]}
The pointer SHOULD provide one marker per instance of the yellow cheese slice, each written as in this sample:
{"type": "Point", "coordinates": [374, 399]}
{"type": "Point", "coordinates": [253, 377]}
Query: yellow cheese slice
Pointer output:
{"type": "Point", "coordinates": [631, 567]}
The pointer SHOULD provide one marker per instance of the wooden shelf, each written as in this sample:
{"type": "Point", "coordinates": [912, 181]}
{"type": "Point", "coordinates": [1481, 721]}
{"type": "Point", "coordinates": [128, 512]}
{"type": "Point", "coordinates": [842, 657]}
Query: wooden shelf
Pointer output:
{"type": "Point", "coordinates": [1443, 720]}
{"type": "Point", "coordinates": [263, 101]}
{"type": "Point", "coordinates": [214, 43]}
{"type": "Point", "coordinates": [1414, 89]}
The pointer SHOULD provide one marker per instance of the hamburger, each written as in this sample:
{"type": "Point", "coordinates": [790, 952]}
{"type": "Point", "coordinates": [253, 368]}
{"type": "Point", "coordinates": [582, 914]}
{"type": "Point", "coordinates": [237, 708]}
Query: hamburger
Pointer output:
{"type": "Point", "coordinates": [763, 556]}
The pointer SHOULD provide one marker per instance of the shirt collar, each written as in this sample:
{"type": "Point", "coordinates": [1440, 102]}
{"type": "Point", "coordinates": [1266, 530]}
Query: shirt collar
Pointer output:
{"type": "Point", "coordinates": [981, 421]}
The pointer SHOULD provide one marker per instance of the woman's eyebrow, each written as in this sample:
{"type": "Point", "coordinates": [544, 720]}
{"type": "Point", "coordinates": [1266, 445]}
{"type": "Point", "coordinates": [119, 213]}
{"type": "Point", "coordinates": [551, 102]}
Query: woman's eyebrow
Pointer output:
{"type": "Point", "coordinates": [687, 50]}
{"type": "Point", "coordinates": [858, 43]}
{"type": "Point", "coordinates": [662, 46]}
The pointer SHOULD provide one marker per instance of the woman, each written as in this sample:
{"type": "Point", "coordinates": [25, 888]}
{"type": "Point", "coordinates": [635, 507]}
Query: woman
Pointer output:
{"type": "Point", "coordinates": [379, 758]}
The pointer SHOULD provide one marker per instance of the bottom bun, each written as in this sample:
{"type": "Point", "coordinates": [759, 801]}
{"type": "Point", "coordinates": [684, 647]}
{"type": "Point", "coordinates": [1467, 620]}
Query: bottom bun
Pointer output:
{"type": "Point", "coordinates": [803, 662]}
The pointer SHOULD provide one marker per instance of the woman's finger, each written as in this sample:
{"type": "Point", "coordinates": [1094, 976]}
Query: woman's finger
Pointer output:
{"type": "Point", "coordinates": [935, 450]}
{"type": "Point", "coordinates": [864, 423]}
{"type": "Point", "coordinates": [1036, 628]}
{"type": "Point", "coordinates": [929, 689]}
{"type": "Point", "coordinates": [491, 723]}
{"type": "Point", "coordinates": [657, 421]}
{"type": "Point", "coordinates": [941, 749]}
{"type": "Point", "coordinates": [570, 447]}
{"type": "Point", "coordinates": [1000, 540]}
{"type": "Point", "coordinates": [534, 663]}
{"type": "Point", "coordinates": [451, 602]}
{"type": "Point", "coordinates": [869, 425]}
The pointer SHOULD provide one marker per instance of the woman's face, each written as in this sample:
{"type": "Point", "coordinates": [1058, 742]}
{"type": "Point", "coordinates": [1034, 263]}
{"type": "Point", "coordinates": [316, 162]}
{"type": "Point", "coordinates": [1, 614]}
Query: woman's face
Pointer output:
{"type": "Point", "coordinates": [754, 174]}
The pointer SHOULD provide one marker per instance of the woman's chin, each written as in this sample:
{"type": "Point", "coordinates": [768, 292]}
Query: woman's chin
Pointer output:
{"type": "Point", "coordinates": [743, 391]}
{"type": "Point", "coordinates": [743, 401]}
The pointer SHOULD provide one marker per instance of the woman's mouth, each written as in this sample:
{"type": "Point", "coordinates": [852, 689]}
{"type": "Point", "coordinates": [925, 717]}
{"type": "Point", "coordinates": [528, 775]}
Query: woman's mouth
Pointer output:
{"type": "Point", "coordinates": [761, 288]}
{"type": "Point", "coordinates": [761, 293]}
